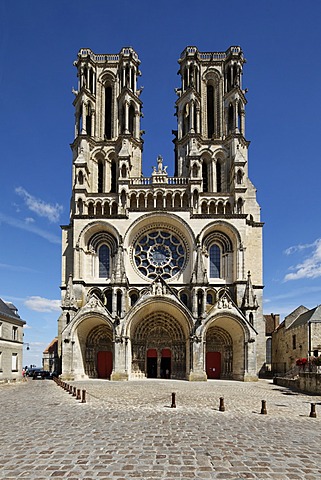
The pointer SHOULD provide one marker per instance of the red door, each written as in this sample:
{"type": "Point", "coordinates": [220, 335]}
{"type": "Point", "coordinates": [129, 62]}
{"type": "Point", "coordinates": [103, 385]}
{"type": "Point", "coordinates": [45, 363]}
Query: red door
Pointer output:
{"type": "Point", "coordinates": [213, 364]}
{"type": "Point", "coordinates": [104, 364]}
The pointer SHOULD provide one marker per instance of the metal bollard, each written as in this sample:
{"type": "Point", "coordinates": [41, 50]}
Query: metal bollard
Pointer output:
{"type": "Point", "coordinates": [222, 407]}
{"type": "Point", "coordinates": [74, 392]}
{"type": "Point", "coordinates": [70, 389]}
{"type": "Point", "coordinates": [263, 409]}
{"type": "Point", "coordinates": [78, 394]}
{"type": "Point", "coordinates": [173, 400]}
{"type": "Point", "coordinates": [83, 397]}
{"type": "Point", "coordinates": [313, 413]}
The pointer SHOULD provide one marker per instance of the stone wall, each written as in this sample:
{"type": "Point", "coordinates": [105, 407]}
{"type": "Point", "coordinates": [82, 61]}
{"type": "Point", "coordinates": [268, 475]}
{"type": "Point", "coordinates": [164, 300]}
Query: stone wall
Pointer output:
{"type": "Point", "coordinates": [308, 382]}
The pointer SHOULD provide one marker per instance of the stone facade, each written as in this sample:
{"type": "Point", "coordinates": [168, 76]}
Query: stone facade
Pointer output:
{"type": "Point", "coordinates": [50, 360]}
{"type": "Point", "coordinates": [298, 336]}
{"type": "Point", "coordinates": [11, 343]}
{"type": "Point", "coordinates": [161, 275]}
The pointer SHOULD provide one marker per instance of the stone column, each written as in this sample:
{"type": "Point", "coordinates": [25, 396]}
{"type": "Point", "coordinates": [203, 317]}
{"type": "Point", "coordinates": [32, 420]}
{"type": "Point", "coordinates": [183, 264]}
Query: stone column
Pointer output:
{"type": "Point", "coordinates": [197, 372]}
{"type": "Point", "coordinates": [119, 372]}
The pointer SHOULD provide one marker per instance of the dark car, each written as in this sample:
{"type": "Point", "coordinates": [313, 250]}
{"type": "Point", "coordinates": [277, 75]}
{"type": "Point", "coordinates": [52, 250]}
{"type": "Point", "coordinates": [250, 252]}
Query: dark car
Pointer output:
{"type": "Point", "coordinates": [40, 374]}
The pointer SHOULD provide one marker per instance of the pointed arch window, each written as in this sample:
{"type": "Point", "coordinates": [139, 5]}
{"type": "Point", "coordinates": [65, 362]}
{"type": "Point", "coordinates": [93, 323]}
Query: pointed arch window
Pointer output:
{"type": "Point", "coordinates": [215, 255]}
{"type": "Point", "coordinates": [205, 176]}
{"type": "Point", "coordinates": [108, 111]}
{"type": "Point", "coordinates": [210, 111]}
{"type": "Point", "coordinates": [104, 261]}
{"type": "Point", "coordinates": [131, 119]}
{"type": "Point", "coordinates": [100, 176]}
{"type": "Point", "coordinates": [218, 177]}
{"type": "Point", "coordinates": [113, 177]}
{"type": "Point", "coordinates": [89, 120]}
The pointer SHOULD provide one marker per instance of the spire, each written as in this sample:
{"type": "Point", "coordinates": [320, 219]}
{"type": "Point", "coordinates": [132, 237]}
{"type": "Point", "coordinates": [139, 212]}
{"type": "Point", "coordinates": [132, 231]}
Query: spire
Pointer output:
{"type": "Point", "coordinates": [249, 299]}
{"type": "Point", "coordinates": [199, 274]}
{"type": "Point", "coordinates": [119, 273]}
{"type": "Point", "coordinates": [69, 302]}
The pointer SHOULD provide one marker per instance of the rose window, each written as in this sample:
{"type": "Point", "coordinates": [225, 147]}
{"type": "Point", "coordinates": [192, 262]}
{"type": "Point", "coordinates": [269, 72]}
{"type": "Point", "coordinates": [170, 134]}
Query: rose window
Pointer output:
{"type": "Point", "coordinates": [159, 253]}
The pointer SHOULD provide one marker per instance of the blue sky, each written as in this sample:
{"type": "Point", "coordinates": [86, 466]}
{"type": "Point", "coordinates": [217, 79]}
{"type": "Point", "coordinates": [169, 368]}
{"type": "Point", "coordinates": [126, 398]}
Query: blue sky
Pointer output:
{"type": "Point", "coordinates": [38, 43]}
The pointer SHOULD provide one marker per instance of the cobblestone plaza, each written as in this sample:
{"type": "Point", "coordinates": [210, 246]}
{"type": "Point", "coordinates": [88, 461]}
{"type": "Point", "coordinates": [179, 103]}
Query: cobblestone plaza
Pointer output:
{"type": "Point", "coordinates": [127, 430]}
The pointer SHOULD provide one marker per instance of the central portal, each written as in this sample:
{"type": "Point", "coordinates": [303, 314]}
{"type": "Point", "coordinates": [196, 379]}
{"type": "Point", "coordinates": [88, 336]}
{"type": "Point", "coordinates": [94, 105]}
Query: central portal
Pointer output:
{"type": "Point", "coordinates": [159, 348]}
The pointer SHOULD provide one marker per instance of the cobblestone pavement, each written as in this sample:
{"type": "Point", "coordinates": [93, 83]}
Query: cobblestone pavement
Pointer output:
{"type": "Point", "coordinates": [127, 430]}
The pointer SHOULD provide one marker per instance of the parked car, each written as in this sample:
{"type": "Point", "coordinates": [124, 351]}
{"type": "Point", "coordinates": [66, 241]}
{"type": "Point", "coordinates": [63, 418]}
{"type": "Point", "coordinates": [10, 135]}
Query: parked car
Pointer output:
{"type": "Point", "coordinates": [40, 374]}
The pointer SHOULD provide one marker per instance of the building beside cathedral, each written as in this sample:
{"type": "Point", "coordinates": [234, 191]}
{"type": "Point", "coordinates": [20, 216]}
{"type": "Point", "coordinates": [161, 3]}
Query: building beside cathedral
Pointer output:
{"type": "Point", "coordinates": [161, 275]}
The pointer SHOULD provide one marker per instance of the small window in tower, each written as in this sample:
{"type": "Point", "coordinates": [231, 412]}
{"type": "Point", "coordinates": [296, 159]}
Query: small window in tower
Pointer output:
{"type": "Point", "coordinates": [100, 177]}
{"type": "Point", "coordinates": [113, 177]}
{"type": "Point", "coordinates": [131, 120]}
{"type": "Point", "coordinates": [205, 176]}
{"type": "Point", "coordinates": [88, 120]}
{"type": "Point", "coordinates": [215, 261]}
{"type": "Point", "coordinates": [109, 300]}
{"type": "Point", "coordinates": [230, 118]}
{"type": "Point", "coordinates": [200, 296]}
{"type": "Point", "coordinates": [210, 111]}
{"type": "Point", "coordinates": [80, 206]}
{"type": "Point", "coordinates": [218, 176]}
{"type": "Point", "coordinates": [294, 342]}
{"type": "Point", "coordinates": [91, 80]}
{"type": "Point", "coordinates": [184, 299]}
{"type": "Point", "coordinates": [209, 299]}
{"type": "Point", "coordinates": [67, 318]}
{"type": "Point", "coordinates": [119, 302]}
{"type": "Point", "coordinates": [80, 178]}
{"type": "Point", "coordinates": [186, 119]}
{"type": "Point", "coordinates": [108, 112]}
{"type": "Point", "coordinates": [251, 318]}
{"type": "Point", "coordinates": [133, 299]}
{"type": "Point", "coordinates": [239, 206]}
{"type": "Point", "coordinates": [104, 261]}
{"type": "Point", "coordinates": [239, 177]}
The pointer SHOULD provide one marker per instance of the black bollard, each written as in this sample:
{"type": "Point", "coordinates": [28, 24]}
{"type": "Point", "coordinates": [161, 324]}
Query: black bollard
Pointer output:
{"type": "Point", "coordinates": [83, 397]}
{"type": "Point", "coordinates": [222, 407]}
{"type": "Point", "coordinates": [173, 400]}
{"type": "Point", "coordinates": [74, 392]}
{"type": "Point", "coordinates": [313, 413]}
{"type": "Point", "coordinates": [263, 409]}
{"type": "Point", "coordinates": [78, 394]}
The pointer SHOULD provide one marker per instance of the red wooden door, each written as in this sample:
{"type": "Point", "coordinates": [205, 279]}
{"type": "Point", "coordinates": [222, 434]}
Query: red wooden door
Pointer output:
{"type": "Point", "coordinates": [104, 364]}
{"type": "Point", "coordinates": [213, 364]}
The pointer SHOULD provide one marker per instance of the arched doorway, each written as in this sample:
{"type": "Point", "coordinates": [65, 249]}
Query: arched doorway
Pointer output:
{"type": "Point", "coordinates": [99, 352]}
{"type": "Point", "coordinates": [219, 353]}
{"type": "Point", "coordinates": [159, 347]}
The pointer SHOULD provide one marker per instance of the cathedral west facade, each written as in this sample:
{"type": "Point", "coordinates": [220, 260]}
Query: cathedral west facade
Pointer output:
{"type": "Point", "coordinates": [161, 275]}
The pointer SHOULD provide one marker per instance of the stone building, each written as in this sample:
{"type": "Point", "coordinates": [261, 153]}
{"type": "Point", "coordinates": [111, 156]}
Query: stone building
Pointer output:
{"type": "Point", "coordinates": [50, 359]}
{"type": "Point", "coordinates": [298, 336]}
{"type": "Point", "coordinates": [161, 275]}
{"type": "Point", "coordinates": [11, 342]}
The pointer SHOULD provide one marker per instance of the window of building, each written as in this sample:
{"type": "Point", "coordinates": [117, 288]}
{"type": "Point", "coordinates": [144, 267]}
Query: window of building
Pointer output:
{"type": "Point", "coordinates": [108, 111]}
{"type": "Point", "coordinates": [0, 329]}
{"type": "Point", "coordinates": [100, 177]}
{"type": "Point", "coordinates": [14, 333]}
{"type": "Point", "coordinates": [268, 358]}
{"type": "Point", "coordinates": [210, 111]}
{"type": "Point", "coordinates": [14, 362]}
{"type": "Point", "coordinates": [293, 342]}
{"type": "Point", "coordinates": [0, 361]}
{"type": "Point", "coordinates": [104, 261]}
{"type": "Point", "coordinates": [215, 261]}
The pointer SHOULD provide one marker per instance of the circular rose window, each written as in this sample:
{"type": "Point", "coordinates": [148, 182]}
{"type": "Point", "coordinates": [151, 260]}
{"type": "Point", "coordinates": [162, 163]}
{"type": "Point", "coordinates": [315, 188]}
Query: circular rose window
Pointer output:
{"type": "Point", "coordinates": [159, 253]}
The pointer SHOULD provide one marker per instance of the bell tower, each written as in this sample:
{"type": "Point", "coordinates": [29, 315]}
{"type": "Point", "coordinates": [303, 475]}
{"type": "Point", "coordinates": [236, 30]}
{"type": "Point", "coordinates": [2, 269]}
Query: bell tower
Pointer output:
{"type": "Point", "coordinates": [107, 148]}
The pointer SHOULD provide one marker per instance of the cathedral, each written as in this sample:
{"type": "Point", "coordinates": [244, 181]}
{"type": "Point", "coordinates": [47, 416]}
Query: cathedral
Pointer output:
{"type": "Point", "coordinates": [161, 275]}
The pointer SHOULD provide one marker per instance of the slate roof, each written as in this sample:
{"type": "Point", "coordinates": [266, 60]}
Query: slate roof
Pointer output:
{"type": "Point", "coordinates": [6, 311]}
{"type": "Point", "coordinates": [10, 313]}
{"type": "Point", "coordinates": [313, 316]}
